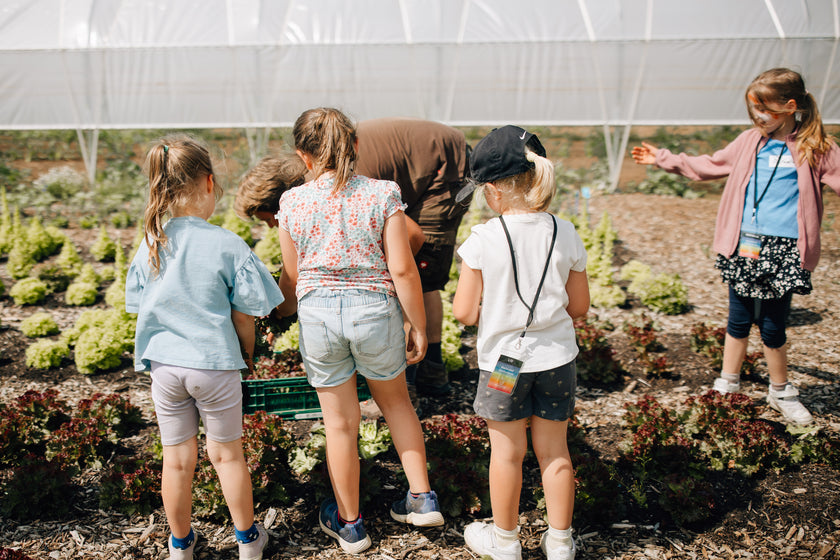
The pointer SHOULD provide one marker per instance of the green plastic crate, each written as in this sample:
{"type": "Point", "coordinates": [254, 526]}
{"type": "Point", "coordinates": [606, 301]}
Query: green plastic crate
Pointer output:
{"type": "Point", "coordinates": [291, 397]}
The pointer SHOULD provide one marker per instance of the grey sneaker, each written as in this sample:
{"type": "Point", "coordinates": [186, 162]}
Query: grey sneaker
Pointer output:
{"type": "Point", "coordinates": [787, 403]}
{"type": "Point", "coordinates": [182, 553]}
{"type": "Point", "coordinates": [481, 538]}
{"type": "Point", "coordinates": [432, 379]}
{"type": "Point", "coordinates": [559, 553]}
{"type": "Point", "coordinates": [723, 386]}
{"type": "Point", "coordinates": [422, 511]}
{"type": "Point", "coordinates": [254, 549]}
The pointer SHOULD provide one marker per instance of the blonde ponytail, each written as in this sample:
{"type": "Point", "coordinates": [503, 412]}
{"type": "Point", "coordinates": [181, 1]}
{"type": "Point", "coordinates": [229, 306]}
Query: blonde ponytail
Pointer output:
{"type": "Point", "coordinates": [542, 187]}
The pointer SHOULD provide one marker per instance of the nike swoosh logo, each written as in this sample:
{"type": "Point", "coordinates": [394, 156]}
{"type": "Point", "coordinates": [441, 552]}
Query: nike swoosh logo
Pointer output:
{"type": "Point", "coordinates": [523, 136]}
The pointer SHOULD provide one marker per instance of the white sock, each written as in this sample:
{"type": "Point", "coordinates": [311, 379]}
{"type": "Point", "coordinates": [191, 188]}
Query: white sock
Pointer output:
{"type": "Point", "coordinates": [504, 537]}
{"type": "Point", "coordinates": [558, 537]}
{"type": "Point", "coordinates": [731, 377]}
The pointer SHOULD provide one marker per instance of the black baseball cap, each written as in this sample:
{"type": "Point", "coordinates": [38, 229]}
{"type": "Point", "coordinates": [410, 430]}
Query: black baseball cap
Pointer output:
{"type": "Point", "coordinates": [501, 154]}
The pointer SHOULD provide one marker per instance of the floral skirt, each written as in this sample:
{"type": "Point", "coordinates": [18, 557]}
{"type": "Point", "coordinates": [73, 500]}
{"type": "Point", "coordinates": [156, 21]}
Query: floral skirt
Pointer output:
{"type": "Point", "coordinates": [775, 272]}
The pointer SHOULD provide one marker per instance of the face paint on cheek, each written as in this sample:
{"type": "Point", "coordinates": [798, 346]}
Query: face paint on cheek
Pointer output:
{"type": "Point", "coordinates": [764, 118]}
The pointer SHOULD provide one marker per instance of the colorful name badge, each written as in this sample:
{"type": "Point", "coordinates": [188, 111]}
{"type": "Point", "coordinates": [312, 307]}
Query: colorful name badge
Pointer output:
{"type": "Point", "coordinates": [749, 246]}
{"type": "Point", "coordinates": [506, 372]}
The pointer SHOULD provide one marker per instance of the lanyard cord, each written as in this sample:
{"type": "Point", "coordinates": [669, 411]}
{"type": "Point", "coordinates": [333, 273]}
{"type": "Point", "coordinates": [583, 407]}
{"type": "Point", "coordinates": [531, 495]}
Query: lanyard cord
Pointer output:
{"type": "Point", "coordinates": [531, 308]}
{"type": "Point", "coordinates": [757, 199]}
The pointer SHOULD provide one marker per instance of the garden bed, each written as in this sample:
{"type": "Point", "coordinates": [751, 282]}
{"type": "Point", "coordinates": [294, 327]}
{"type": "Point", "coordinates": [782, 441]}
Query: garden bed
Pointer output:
{"type": "Point", "coordinates": [789, 514]}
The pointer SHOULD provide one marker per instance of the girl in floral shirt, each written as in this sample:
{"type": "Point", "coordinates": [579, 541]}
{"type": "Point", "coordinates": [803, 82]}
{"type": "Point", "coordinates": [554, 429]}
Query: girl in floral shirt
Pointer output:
{"type": "Point", "coordinates": [348, 269]}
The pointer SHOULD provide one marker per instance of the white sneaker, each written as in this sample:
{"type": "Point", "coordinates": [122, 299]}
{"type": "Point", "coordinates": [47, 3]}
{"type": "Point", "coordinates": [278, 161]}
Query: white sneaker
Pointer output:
{"type": "Point", "coordinates": [481, 538]}
{"type": "Point", "coordinates": [182, 553]}
{"type": "Point", "coordinates": [254, 549]}
{"type": "Point", "coordinates": [787, 402]}
{"type": "Point", "coordinates": [723, 386]}
{"type": "Point", "coordinates": [559, 553]}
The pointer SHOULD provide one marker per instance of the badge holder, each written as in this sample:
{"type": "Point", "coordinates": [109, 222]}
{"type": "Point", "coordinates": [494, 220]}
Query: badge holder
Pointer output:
{"type": "Point", "coordinates": [506, 372]}
{"type": "Point", "coordinates": [749, 246]}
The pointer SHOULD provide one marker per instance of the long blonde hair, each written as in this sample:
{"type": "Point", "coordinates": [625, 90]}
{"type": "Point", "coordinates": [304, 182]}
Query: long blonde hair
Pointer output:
{"type": "Point", "coordinates": [175, 166]}
{"type": "Point", "coordinates": [535, 187]}
{"type": "Point", "coordinates": [779, 85]}
{"type": "Point", "coordinates": [329, 137]}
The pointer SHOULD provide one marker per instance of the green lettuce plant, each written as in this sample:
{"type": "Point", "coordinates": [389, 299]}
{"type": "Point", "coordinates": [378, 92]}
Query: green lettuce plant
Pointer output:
{"type": "Point", "coordinates": [268, 248]}
{"type": "Point", "coordinates": [81, 294]}
{"type": "Point", "coordinates": [69, 258]}
{"type": "Point", "coordinates": [101, 337]}
{"type": "Point", "coordinates": [104, 248]}
{"type": "Point", "coordinates": [237, 225]}
{"type": "Point", "coordinates": [39, 325]}
{"type": "Point", "coordinates": [46, 354]}
{"type": "Point", "coordinates": [41, 242]}
{"type": "Point", "coordinates": [20, 260]}
{"type": "Point", "coordinates": [29, 291]}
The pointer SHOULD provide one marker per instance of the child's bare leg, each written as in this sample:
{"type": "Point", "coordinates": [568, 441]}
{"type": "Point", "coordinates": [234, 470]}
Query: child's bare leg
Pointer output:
{"type": "Point", "coordinates": [776, 364]}
{"type": "Point", "coordinates": [176, 485]}
{"type": "Point", "coordinates": [340, 406]}
{"type": "Point", "coordinates": [549, 440]}
{"type": "Point", "coordinates": [229, 461]}
{"type": "Point", "coordinates": [508, 444]}
{"type": "Point", "coordinates": [392, 398]}
{"type": "Point", "coordinates": [734, 352]}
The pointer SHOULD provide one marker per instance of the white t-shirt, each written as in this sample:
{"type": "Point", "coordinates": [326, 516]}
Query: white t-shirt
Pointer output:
{"type": "Point", "coordinates": [550, 340]}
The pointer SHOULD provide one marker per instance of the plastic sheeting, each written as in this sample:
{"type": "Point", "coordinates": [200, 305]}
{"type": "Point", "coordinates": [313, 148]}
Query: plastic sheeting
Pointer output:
{"type": "Point", "coordinates": [93, 64]}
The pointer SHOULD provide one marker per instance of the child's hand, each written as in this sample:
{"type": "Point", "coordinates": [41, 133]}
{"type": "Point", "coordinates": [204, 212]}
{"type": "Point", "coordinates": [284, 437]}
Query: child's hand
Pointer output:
{"type": "Point", "coordinates": [415, 346]}
{"type": "Point", "coordinates": [645, 154]}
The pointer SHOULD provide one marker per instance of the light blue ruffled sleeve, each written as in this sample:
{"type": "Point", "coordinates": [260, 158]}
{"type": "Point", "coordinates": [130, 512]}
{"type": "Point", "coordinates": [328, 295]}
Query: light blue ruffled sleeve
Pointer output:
{"type": "Point", "coordinates": [255, 291]}
{"type": "Point", "coordinates": [134, 282]}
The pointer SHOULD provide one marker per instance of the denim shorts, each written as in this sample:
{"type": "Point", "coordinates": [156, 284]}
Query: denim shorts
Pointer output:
{"type": "Point", "coordinates": [345, 331]}
{"type": "Point", "coordinates": [182, 395]}
{"type": "Point", "coordinates": [547, 394]}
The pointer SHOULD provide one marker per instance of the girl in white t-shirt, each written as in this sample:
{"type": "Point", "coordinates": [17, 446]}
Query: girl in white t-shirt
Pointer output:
{"type": "Point", "coordinates": [523, 280]}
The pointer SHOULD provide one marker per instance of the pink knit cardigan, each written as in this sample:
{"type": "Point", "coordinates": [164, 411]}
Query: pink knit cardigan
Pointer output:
{"type": "Point", "coordinates": [737, 160]}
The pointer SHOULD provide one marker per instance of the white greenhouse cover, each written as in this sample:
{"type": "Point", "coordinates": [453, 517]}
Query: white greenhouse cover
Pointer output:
{"type": "Point", "coordinates": [98, 64]}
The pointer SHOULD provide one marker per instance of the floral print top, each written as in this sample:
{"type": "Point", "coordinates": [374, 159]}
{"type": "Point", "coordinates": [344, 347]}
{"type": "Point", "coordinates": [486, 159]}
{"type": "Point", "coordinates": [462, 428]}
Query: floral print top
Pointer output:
{"type": "Point", "coordinates": [338, 236]}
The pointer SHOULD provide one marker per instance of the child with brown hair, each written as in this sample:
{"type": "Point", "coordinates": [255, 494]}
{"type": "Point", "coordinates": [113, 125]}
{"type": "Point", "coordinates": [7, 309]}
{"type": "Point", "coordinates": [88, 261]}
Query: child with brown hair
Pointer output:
{"type": "Point", "coordinates": [350, 274]}
{"type": "Point", "coordinates": [196, 289]}
{"type": "Point", "coordinates": [767, 234]}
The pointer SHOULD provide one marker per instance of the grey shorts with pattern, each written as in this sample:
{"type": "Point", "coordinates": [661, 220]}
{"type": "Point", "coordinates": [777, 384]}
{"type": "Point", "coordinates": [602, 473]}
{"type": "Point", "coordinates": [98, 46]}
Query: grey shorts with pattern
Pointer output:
{"type": "Point", "coordinates": [547, 394]}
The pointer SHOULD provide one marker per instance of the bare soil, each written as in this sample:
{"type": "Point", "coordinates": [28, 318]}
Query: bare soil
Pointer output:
{"type": "Point", "coordinates": [794, 514]}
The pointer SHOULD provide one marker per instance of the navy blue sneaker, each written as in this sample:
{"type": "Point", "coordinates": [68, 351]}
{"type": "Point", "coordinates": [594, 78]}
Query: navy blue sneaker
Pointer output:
{"type": "Point", "coordinates": [422, 511]}
{"type": "Point", "coordinates": [351, 536]}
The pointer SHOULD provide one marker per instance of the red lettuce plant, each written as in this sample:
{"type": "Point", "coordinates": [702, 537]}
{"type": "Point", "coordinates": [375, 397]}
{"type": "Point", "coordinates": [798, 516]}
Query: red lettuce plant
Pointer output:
{"type": "Point", "coordinates": [458, 452]}
{"type": "Point", "coordinates": [596, 363]}
{"type": "Point", "coordinates": [131, 486]}
{"type": "Point", "coordinates": [266, 444]}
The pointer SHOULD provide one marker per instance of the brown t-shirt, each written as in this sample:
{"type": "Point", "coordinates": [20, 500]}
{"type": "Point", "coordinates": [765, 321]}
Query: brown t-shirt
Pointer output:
{"type": "Point", "coordinates": [426, 159]}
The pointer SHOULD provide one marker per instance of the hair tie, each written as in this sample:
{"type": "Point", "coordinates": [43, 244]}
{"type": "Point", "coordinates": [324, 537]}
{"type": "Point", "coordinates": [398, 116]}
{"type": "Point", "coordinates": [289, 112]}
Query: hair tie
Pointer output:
{"type": "Point", "coordinates": [165, 154]}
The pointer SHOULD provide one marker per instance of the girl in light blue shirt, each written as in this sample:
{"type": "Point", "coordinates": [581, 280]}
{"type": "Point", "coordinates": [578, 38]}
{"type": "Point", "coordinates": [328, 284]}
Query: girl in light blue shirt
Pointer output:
{"type": "Point", "coordinates": [196, 289]}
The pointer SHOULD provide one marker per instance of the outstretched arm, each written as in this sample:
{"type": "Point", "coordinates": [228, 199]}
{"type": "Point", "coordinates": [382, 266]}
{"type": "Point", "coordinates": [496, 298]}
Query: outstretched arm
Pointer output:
{"type": "Point", "coordinates": [644, 154]}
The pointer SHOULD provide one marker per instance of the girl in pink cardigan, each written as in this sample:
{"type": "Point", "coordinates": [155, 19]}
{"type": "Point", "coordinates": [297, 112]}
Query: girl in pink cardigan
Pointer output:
{"type": "Point", "coordinates": [767, 234]}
